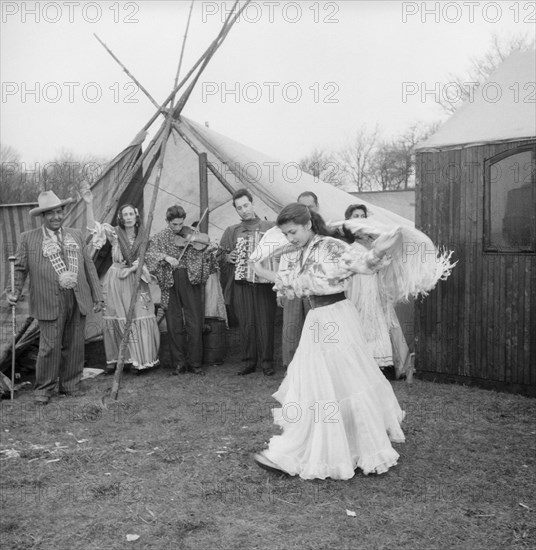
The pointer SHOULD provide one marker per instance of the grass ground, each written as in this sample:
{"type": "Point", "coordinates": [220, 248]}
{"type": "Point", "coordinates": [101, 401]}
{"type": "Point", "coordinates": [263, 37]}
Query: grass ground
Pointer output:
{"type": "Point", "coordinates": [171, 462]}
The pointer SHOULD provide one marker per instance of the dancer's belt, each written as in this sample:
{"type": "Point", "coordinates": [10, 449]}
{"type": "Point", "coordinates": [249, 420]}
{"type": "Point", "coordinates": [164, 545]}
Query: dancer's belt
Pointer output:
{"type": "Point", "coordinates": [257, 283]}
{"type": "Point", "coordinates": [324, 300]}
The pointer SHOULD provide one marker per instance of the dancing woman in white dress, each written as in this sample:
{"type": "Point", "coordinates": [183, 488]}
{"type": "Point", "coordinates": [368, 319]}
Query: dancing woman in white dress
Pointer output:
{"type": "Point", "coordinates": [338, 412]}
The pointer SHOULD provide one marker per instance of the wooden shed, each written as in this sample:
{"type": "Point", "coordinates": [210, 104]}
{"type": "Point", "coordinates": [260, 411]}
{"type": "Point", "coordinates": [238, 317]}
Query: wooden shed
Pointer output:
{"type": "Point", "coordinates": [476, 195]}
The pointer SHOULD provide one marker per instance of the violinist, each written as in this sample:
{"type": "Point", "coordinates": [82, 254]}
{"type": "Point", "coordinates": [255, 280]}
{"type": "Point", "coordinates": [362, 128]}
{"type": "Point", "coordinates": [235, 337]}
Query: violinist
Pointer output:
{"type": "Point", "coordinates": [181, 259]}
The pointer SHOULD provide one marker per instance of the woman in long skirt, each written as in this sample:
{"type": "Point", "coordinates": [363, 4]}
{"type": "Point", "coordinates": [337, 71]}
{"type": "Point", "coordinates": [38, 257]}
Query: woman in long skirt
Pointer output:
{"type": "Point", "coordinates": [126, 239]}
{"type": "Point", "coordinates": [338, 412]}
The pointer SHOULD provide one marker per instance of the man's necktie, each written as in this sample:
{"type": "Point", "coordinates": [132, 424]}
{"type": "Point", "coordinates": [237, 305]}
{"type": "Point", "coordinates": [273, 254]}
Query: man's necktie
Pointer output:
{"type": "Point", "coordinates": [60, 241]}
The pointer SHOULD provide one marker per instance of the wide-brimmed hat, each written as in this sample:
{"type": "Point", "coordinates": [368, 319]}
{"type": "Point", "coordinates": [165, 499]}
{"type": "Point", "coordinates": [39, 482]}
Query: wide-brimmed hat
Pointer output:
{"type": "Point", "coordinates": [48, 200]}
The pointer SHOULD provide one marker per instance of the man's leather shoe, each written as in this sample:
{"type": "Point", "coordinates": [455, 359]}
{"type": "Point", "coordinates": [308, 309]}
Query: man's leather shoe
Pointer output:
{"type": "Point", "coordinates": [75, 393]}
{"type": "Point", "coordinates": [41, 400]}
{"type": "Point", "coordinates": [197, 370]}
{"type": "Point", "coordinates": [245, 370]}
{"type": "Point", "coordinates": [179, 369]}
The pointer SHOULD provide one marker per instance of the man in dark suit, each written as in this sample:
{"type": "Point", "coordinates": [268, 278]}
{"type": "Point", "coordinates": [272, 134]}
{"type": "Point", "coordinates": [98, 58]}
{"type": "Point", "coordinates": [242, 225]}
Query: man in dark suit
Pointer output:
{"type": "Point", "coordinates": [64, 285]}
{"type": "Point", "coordinates": [254, 303]}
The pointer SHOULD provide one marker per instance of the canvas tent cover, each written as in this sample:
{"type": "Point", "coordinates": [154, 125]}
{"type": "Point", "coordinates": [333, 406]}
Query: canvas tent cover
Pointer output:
{"type": "Point", "coordinates": [273, 183]}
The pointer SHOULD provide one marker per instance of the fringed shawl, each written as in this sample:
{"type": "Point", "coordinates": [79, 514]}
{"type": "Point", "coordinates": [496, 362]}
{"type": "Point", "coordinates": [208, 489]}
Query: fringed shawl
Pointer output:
{"type": "Point", "coordinates": [416, 264]}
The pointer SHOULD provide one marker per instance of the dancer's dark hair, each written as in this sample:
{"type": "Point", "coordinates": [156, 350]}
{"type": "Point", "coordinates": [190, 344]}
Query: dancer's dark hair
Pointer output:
{"type": "Point", "coordinates": [175, 212]}
{"type": "Point", "coordinates": [347, 234]}
{"type": "Point", "coordinates": [300, 214]}
{"type": "Point", "coordinates": [309, 194]}
{"type": "Point", "coordinates": [121, 220]}
{"type": "Point", "coordinates": [242, 193]}
{"type": "Point", "coordinates": [130, 251]}
{"type": "Point", "coordinates": [352, 208]}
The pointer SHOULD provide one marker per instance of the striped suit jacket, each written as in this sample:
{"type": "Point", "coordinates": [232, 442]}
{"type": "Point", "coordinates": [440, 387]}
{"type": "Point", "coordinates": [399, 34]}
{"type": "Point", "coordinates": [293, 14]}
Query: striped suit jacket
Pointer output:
{"type": "Point", "coordinates": [44, 282]}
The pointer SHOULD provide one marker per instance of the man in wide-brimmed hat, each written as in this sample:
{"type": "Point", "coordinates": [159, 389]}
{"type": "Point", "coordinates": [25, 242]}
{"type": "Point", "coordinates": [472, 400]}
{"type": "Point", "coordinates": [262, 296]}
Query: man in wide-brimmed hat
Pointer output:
{"type": "Point", "coordinates": [64, 286]}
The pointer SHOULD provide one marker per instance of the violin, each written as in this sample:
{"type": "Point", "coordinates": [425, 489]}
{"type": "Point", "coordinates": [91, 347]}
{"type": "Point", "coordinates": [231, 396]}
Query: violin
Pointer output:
{"type": "Point", "coordinates": [190, 236]}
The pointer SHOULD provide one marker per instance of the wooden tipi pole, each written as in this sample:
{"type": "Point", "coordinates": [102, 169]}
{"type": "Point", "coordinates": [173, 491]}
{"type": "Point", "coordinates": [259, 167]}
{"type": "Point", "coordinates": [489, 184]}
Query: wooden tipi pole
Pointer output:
{"type": "Point", "coordinates": [141, 260]}
{"type": "Point", "coordinates": [229, 22]}
{"type": "Point", "coordinates": [184, 43]}
{"type": "Point", "coordinates": [216, 43]}
{"type": "Point", "coordinates": [132, 77]}
{"type": "Point", "coordinates": [224, 32]}
{"type": "Point", "coordinates": [165, 132]}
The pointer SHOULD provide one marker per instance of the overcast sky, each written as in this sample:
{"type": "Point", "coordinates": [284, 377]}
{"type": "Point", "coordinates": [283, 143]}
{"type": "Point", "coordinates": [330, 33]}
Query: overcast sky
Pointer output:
{"type": "Point", "coordinates": [290, 76]}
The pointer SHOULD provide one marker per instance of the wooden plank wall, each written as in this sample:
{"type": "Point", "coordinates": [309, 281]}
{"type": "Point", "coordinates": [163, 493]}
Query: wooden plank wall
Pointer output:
{"type": "Point", "coordinates": [479, 326]}
{"type": "Point", "coordinates": [15, 219]}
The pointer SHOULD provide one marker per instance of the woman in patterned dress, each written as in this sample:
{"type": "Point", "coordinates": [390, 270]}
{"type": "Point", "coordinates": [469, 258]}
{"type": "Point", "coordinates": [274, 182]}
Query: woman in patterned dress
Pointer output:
{"type": "Point", "coordinates": [126, 239]}
{"type": "Point", "coordinates": [338, 412]}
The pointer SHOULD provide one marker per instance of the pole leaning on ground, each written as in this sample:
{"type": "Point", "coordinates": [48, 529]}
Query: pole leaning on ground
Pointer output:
{"type": "Point", "coordinates": [13, 324]}
{"type": "Point", "coordinates": [141, 259]}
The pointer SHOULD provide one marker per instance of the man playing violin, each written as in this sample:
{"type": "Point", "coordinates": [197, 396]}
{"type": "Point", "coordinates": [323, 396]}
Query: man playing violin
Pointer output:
{"type": "Point", "coordinates": [181, 260]}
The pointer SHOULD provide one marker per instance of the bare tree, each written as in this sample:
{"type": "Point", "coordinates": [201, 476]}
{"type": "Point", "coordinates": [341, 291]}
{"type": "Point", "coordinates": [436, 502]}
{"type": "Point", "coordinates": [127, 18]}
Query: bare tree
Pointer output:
{"type": "Point", "coordinates": [463, 86]}
{"type": "Point", "coordinates": [22, 182]}
{"type": "Point", "coordinates": [393, 163]}
{"type": "Point", "coordinates": [366, 164]}
{"type": "Point", "coordinates": [65, 172]}
{"type": "Point", "coordinates": [405, 150]}
{"type": "Point", "coordinates": [8, 154]}
{"type": "Point", "coordinates": [385, 166]}
{"type": "Point", "coordinates": [355, 159]}
{"type": "Point", "coordinates": [13, 188]}
{"type": "Point", "coordinates": [323, 166]}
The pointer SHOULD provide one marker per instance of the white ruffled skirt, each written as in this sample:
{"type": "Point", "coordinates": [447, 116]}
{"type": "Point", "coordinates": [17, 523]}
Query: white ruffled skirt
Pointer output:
{"type": "Point", "coordinates": [338, 410]}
